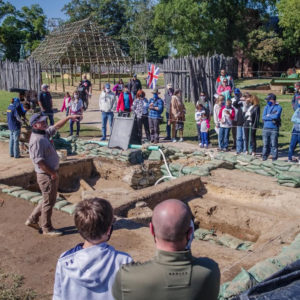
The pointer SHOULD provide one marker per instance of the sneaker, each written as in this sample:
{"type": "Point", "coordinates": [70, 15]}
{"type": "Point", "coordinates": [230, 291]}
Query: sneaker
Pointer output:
{"type": "Point", "coordinates": [103, 138]}
{"type": "Point", "coordinates": [200, 145]}
{"type": "Point", "coordinates": [206, 146]}
{"type": "Point", "coordinates": [264, 159]}
{"type": "Point", "coordinates": [290, 161]}
{"type": "Point", "coordinates": [174, 141]}
{"type": "Point", "coordinates": [181, 140]}
{"type": "Point", "coordinates": [32, 225]}
{"type": "Point", "coordinates": [53, 232]}
{"type": "Point", "coordinates": [167, 138]}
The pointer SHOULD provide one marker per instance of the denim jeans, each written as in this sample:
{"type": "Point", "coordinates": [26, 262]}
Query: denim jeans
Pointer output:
{"type": "Point", "coordinates": [77, 127]}
{"type": "Point", "coordinates": [154, 130]}
{"type": "Point", "coordinates": [270, 143]}
{"type": "Point", "coordinates": [107, 116]}
{"type": "Point", "coordinates": [240, 139]}
{"type": "Point", "coordinates": [168, 128]}
{"type": "Point", "coordinates": [14, 137]}
{"type": "Point", "coordinates": [199, 133]}
{"type": "Point", "coordinates": [50, 116]}
{"type": "Point", "coordinates": [295, 139]}
{"type": "Point", "coordinates": [204, 138]}
{"type": "Point", "coordinates": [224, 138]}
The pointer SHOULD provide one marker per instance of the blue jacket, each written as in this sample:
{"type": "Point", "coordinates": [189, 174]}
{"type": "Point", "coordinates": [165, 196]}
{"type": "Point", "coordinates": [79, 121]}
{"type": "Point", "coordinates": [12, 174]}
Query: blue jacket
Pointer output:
{"type": "Point", "coordinates": [295, 100]}
{"type": "Point", "coordinates": [271, 113]}
{"type": "Point", "coordinates": [296, 120]}
{"type": "Point", "coordinates": [13, 118]}
{"type": "Point", "coordinates": [156, 114]}
{"type": "Point", "coordinates": [88, 273]}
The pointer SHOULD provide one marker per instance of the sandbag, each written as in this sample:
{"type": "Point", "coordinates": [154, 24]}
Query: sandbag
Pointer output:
{"type": "Point", "coordinates": [201, 171]}
{"type": "Point", "coordinates": [256, 162]}
{"type": "Point", "coordinates": [295, 168]}
{"type": "Point", "coordinates": [263, 270]}
{"type": "Point", "coordinates": [245, 158]}
{"type": "Point", "coordinates": [243, 281]}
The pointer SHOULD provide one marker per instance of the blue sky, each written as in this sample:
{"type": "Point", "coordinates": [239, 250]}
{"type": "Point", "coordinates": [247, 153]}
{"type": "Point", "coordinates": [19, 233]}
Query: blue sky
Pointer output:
{"type": "Point", "coordinates": [52, 8]}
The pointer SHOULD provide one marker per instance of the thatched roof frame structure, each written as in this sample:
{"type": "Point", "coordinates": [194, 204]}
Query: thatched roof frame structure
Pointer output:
{"type": "Point", "coordinates": [79, 43]}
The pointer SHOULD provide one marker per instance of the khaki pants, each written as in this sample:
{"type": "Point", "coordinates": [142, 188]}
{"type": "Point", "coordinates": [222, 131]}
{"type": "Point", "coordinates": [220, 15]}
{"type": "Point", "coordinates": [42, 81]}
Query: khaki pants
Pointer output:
{"type": "Point", "coordinates": [48, 188]}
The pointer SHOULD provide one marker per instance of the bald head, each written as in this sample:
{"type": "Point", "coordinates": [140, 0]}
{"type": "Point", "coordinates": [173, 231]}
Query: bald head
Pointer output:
{"type": "Point", "coordinates": [171, 220]}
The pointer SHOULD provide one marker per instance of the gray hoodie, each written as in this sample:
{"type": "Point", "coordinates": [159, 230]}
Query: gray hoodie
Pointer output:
{"type": "Point", "coordinates": [88, 273]}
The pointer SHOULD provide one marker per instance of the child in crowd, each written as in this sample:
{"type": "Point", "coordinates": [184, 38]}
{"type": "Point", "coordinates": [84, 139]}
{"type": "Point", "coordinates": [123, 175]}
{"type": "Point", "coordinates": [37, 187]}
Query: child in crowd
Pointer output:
{"type": "Point", "coordinates": [88, 270]}
{"type": "Point", "coordinates": [66, 103]}
{"type": "Point", "coordinates": [226, 116]}
{"type": "Point", "coordinates": [198, 113]}
{"type": "Point", "coordinates": [204, 127]}
{"type": "Point", "coordinates": [76, 108]}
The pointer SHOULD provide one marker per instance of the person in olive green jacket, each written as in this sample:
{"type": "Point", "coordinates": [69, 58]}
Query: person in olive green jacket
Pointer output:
{"type": "Point", "coordinates": [173, 273]}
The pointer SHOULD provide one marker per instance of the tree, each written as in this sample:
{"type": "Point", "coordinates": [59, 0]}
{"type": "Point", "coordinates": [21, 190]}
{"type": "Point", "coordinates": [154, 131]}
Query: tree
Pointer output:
{"type": "Point", "coordinates": [139, 31]}
{"type": "Point", "coordinates": [198, 27]}
{"type": "Point", "coordinates": [110, 14]}
{"type": "Point", "coordinates": [265, 47]}
{"type": "Point", "coordinates": [25, 27]}
{"type": "Point", "coordinates": [288, 12]}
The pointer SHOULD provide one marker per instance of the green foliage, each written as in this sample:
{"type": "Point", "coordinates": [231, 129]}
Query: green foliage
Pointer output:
{"type": "Point", "coordinates": [26, 26]}
{"type": "Point", "coordinates": [288, 11]}
{"type": "Point", "coordinates": [198, 27]}
{"type": "Point", "coordinates": [138, 31]}
{"type": "Point", "coordinates": [11, 288]}
{"type": "Point", "coordinates": [265, 46]}
{"type": "Point", "coordinates": [108, 13]}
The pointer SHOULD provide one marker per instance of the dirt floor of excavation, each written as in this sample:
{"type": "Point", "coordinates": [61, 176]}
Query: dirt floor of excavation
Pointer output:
{"type": "Point", "coordinates": [26, 252]}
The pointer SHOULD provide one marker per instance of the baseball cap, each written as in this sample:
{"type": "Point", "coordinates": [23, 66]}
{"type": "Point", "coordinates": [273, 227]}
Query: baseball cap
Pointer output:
{"type": "Point", "coordinates": [270, 96]}
{"type": "Point", "coordinates": [237, 91]}
{"type": "Point", "coordinates": [44, 86]}
{"type": "Point", "coordinates": [134, 75]}
{"type": "Point", "coordinates": [37, 118]}
{"type": "Point", "coordinates": [107, 85]}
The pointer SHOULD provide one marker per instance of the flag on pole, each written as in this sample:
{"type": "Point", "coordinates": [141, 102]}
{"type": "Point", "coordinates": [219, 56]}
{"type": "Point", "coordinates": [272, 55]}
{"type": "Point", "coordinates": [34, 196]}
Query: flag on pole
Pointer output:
{"type": "Point", "coordinates": [153, 73]}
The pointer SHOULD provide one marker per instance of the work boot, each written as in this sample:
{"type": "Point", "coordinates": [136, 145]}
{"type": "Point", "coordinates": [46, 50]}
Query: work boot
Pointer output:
{"type": "Point", "coordinates": [33, 225]}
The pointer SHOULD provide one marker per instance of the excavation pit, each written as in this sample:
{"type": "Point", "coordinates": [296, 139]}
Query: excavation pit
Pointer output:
{"type": "Point", "coordinates": [230, 203]}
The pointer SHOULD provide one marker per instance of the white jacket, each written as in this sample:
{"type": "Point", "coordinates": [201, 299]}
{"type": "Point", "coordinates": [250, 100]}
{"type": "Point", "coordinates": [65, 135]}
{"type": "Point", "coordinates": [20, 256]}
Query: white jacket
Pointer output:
{"type": "Point", "coordinates": [107, 101]}
{"type": "Point", "coordinates": [88, 273]}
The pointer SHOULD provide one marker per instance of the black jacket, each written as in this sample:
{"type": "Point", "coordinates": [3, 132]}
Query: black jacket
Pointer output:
{"type": "Point", "coordinates": [238, 105]}
{"type": "Point", "coordinates": [255, 115]}
{"type": "Point", "coordinates": [134, 86]}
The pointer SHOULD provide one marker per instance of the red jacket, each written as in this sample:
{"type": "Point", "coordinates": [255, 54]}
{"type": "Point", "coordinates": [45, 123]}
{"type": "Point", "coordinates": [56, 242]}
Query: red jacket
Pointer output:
{"type": "Point", "coordinates": [121, 105]}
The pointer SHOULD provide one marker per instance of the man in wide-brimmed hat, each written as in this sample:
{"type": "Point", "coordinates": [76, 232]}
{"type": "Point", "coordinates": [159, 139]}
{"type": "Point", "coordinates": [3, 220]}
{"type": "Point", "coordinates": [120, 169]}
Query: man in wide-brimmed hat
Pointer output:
{"type": "Point", "coordinates": [156, 107]}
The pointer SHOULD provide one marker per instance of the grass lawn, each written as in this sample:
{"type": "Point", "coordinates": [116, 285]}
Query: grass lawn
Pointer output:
{"type": "Point", "coordinates": [244, 82]}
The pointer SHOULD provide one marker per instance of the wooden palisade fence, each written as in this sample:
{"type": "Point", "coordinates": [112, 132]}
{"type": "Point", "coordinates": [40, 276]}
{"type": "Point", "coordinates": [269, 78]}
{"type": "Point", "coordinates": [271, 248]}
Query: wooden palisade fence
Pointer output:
{"type": "Point", "coordinates": [196, 74]}
{"type": "Point", "coordinates": [24, 75]}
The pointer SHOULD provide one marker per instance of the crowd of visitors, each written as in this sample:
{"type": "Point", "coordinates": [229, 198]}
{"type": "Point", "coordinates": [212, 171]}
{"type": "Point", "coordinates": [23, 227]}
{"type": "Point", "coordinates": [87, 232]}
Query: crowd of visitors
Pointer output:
{"type": "Point", "coordinates": [231, 111]}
